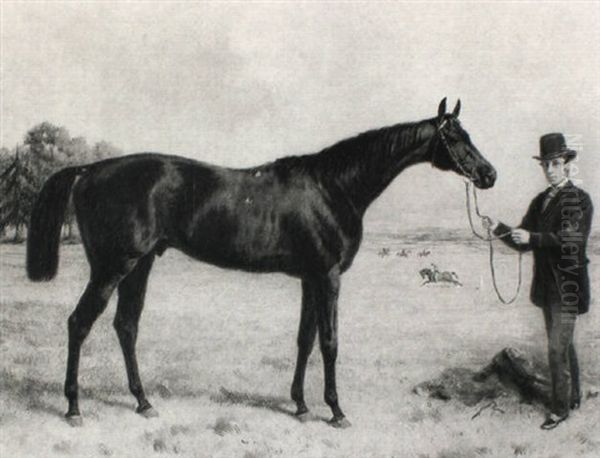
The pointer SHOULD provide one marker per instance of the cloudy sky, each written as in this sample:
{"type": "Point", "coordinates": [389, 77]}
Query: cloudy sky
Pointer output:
{"type": "Point", "coordinates": [239, 84]}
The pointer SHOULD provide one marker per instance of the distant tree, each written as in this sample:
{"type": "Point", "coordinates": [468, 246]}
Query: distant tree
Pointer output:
{"type": "Point", "coordinates": [76, 150]}
{"type": "Point", "coordinates": [18, 190]}
{"type": "Point", "coordinates": [52, 148]}
{"type": "Point", "coordinates": [5, 155]}
{"type": "Point", "coordinates": [45, 144]}
{"type": "Point", "coordinates": [104, 150]}
{"type": "Point", "coordinates": [47, 148]}
{"type": "Point", "coordinates": [45, 138]}
{"type": "Point", "coordinates": [53, 145]}
{"type": "Point", "coordinates": [6, 159]}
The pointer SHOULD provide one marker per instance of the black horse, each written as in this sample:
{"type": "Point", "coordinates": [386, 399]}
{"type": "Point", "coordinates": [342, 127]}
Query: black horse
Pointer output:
{"type": "Point", "coordinates": [300, 215]}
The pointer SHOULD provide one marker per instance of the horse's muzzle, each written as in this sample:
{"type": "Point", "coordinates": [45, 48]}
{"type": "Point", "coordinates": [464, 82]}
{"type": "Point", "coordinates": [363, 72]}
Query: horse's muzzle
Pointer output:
{"type": "Point", "coordinates": [485, 177]}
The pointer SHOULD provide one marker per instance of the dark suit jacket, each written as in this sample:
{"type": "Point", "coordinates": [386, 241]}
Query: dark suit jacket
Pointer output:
{"type": "Point", "coordinates": [558, 239]}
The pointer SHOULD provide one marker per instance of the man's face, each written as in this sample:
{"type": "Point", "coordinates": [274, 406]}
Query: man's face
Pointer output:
{"type": "Point", "coordinates": [554, 170]}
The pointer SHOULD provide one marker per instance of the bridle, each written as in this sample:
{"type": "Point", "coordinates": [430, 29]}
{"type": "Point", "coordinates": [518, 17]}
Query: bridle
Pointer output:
{"type": "Point", "coordinates": [453, 155]}
{"type": "Point", "coordinates": [490, 235]}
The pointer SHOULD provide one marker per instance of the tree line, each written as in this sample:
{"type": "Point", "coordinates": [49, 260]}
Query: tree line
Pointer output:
{"type": "Point", "coordinates": [46, 149]}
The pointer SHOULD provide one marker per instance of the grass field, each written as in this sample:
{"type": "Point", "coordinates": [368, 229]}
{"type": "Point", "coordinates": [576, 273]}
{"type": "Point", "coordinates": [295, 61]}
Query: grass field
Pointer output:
{"type": "Point", "coordinates": [217, 352]}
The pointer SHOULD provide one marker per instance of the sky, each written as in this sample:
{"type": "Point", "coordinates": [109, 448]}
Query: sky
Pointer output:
{"type": "Point", "coordinates": [240, 83]}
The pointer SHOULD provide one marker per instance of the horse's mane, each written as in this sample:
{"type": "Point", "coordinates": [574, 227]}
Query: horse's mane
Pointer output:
{"type": "Point", "coordinates": [352, 154]}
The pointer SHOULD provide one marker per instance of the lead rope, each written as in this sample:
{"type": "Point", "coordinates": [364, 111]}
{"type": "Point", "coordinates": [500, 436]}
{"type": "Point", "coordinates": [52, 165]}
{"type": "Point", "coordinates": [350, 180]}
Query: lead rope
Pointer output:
{"type": "Point", "coordinates": [490, 238]}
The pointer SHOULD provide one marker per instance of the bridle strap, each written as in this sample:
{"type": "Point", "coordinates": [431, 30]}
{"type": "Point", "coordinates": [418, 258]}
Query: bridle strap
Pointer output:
{"type": "Point", "coordinates": [451, 152]}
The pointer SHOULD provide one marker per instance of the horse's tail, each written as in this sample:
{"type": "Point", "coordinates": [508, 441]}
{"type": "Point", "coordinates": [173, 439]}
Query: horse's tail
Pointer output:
{"type": "Point", "coordinates": [45, 223]}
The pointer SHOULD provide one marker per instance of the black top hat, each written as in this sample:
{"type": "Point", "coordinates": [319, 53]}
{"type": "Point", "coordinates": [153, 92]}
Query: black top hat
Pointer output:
{"type": "Point", "coordinates": [552, 146]}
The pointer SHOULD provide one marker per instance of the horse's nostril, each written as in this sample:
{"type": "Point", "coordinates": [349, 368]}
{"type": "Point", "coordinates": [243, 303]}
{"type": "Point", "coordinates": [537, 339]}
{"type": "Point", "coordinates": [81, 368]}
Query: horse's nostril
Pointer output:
{"type": "Point", "coordinates": [487, 176]}
{"type": "Point", "coordinates": [487, 180]}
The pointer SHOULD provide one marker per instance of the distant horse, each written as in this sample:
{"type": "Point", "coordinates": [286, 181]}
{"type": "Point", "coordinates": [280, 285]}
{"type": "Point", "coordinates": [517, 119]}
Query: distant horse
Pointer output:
{"type": "Point", "coordinates": [300, 215]}
{"type": "Point", "coordinates": [384, 252]}
{"type": "Point", "coordinates": [403, 253]}
{"type": "Point", "coordinates": [424, 253]}
{"type": "Point", "coordinates": [433, 275]}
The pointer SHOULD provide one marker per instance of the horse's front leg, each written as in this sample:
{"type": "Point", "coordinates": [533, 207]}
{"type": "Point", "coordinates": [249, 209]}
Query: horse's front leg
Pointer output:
{"type": "Point", "coordinates": [306, 338]}
{"type": "Point", "coordinates": [328, 339]}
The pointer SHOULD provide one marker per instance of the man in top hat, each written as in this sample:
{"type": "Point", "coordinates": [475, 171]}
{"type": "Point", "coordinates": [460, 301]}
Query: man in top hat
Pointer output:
{"type": "Point", "coordinates": [556, 228]}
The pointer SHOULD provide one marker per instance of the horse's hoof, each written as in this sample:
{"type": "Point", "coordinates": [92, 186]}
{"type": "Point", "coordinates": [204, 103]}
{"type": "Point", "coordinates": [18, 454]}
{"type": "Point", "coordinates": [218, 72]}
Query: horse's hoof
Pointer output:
{"type": "Point", "coordinates": [74, 420]}
{"type": "Point", "coordinates": [341, 423]}
{"type": "Point", "coordinates": [147, 412]}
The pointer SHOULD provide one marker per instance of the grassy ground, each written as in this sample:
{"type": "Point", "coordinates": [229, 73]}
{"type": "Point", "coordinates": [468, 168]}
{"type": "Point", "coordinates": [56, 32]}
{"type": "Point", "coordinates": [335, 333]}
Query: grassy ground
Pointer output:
{"type": "Point", "coordinates": [217, 351]}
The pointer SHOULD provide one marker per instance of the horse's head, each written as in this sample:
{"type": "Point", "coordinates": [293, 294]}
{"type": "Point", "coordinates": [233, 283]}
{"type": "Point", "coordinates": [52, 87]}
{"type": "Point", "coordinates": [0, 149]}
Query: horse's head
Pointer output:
{"type": "Point", "coordinates": [451, 149]}
{"type": "Point", "coordinates": [425, 273]}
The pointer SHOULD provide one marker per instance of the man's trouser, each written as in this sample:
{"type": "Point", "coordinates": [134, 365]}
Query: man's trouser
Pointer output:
{"type": "Point", "coordinates": [562, 358]}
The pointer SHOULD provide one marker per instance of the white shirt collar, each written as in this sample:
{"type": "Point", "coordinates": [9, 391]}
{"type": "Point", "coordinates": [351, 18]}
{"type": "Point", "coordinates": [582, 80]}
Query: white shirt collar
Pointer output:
{"type": "Point", "coordinates": [560, 185]}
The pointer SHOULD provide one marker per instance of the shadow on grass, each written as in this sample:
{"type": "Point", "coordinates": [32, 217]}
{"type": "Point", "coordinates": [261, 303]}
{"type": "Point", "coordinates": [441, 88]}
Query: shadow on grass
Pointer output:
{"type": "Point", "coordinates": [37, 395]}
{"type": "Point", "coordinates": [33, 393]}
{"type": "Point", "coordinates": [274, 403]}
{"type": "Point", "coordinates": [30, 392]}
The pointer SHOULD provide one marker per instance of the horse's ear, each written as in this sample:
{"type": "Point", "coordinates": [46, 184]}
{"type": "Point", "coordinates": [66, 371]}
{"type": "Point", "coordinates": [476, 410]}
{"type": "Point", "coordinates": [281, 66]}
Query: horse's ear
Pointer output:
{"type": "Point", "coordinates": [456, 110]}
{"type": "Point", "coordinates": [442, 109]}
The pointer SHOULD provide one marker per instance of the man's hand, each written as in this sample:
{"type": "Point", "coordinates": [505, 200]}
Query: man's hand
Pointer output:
{"type": "Point", "coordinates": [520, 236]}
{"type": "Point", "coordinates": [489, 223]}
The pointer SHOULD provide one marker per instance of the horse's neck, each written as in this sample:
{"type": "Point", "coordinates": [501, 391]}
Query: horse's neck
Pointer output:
{"type": "Point", "coordinates": [362, 167]}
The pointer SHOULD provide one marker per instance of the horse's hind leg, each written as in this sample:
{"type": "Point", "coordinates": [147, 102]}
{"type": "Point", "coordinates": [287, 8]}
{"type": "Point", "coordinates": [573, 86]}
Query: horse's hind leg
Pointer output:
{"type": "Point", "coordinates": [91, 304]}
{"type": "Point", "coordinates": [132, 290]}
{"type": "Point", "coordinates": [306, 338]}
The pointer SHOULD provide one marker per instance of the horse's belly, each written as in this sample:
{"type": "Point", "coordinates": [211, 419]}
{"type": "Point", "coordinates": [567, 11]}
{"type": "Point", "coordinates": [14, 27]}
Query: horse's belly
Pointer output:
{"type": "Point", "coordinates": [251, 261]}
{"type": "Point", "coordinates": [243, 246]}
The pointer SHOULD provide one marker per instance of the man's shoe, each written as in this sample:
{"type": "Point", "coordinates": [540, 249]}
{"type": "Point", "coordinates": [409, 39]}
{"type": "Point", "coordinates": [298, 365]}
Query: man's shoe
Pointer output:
{"type": "Point", "coordinates": [553, 421]}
